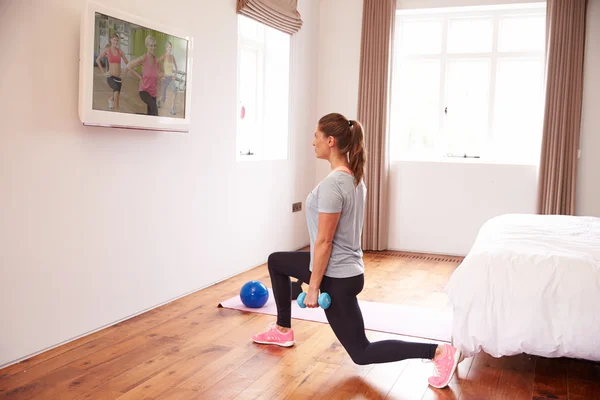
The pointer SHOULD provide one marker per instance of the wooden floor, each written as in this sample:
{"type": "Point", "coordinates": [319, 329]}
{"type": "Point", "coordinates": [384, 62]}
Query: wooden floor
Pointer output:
{"type": "Point", "coordinates": [190, 349]}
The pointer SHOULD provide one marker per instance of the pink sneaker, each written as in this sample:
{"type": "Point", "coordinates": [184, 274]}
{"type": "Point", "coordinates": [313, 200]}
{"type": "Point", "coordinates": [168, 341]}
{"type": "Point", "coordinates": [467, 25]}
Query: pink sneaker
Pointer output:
{"type": "Point", "coordinates": [275, 336]}
{"type": "Point", "coordinates": [445, 366]}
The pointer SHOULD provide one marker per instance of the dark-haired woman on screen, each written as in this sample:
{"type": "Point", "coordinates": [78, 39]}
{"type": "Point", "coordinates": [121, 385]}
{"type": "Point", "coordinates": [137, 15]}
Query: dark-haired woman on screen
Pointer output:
{"type": "Point", "coordinates": [113, 75]}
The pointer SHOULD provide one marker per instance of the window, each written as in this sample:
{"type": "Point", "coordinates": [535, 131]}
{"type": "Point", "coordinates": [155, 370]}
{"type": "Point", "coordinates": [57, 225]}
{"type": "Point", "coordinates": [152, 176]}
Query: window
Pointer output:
{"type": "Point", "coordinates": [469, 81]}
{"type": "Point", "coordinates": [263, 91]}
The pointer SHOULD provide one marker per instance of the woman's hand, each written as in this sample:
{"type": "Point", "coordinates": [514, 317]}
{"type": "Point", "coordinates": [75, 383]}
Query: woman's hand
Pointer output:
{"type": "Point", "coordinates": [312, 298]}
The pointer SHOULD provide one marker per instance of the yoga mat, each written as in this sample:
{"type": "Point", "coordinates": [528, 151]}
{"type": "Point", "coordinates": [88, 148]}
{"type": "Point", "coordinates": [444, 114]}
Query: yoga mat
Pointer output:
{"type": "Point", "coordinates": [398, 319]}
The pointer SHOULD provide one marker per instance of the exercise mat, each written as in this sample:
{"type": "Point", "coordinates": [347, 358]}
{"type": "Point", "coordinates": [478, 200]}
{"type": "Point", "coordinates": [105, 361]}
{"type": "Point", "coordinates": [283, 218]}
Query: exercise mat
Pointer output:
{"type": "Point", "coordinates": [419, 322]}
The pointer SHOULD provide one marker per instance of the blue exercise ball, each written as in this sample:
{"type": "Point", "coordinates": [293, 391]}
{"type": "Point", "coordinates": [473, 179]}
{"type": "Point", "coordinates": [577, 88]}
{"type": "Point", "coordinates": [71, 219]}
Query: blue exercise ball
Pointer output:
{"type": "Point", "coordinates": [254, 294]}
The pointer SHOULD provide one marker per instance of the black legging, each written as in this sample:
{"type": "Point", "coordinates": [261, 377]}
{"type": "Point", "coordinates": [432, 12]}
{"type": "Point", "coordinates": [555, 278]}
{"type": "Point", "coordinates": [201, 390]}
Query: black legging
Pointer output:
{"type": "Point", "coordinates": [150, 102]}
{"type": "Point", "coordinates": [344, 315]}
{"type": "Point", "coordinates": [115, 83]}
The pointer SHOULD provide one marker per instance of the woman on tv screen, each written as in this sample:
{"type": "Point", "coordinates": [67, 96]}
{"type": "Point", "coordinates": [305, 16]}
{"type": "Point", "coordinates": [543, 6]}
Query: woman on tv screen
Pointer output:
{"type": "Point", "coordinates": [113, 75]}
{"type": "Point", "coordinates": [170, 67]}
{"type": "Point", "coordinates": [151, 72]}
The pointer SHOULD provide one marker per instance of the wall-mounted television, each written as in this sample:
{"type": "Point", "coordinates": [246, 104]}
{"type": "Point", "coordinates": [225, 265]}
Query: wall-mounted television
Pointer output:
{"type": "Point", "coordinates": [133, 73]}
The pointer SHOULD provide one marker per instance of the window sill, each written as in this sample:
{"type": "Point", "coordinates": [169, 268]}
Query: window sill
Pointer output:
{"type": "Point", "coordinates": [255, 158]}
{"type": "Point", "coordinates": [460, 160]}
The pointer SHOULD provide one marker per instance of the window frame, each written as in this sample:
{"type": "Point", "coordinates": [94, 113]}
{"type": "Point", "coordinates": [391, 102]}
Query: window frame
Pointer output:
{"type": "Point", "coordinates": [245, 43]}
{"type": "Point", "coordinates": [496, 13]}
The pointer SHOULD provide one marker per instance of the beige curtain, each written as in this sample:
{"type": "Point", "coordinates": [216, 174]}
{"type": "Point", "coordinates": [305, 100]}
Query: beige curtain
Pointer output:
{"type": "Point", "coordinates": [279, 14]}
{"type": "Point", "coordinates": [565, 37]}
{"type": "Point", "coordinates": [373, 106]}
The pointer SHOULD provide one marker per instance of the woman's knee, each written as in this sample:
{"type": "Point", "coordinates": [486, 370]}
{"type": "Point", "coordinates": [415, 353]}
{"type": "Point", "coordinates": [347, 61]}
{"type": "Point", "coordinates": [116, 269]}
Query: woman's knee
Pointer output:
{"type": "Point", "coordinates": [273, 259]}
{"type": "Point", "coordinates": [359, 357]}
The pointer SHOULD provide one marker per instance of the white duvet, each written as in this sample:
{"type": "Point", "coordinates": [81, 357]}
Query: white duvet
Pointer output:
{"type": "Point", "coordinates": [530, 284]}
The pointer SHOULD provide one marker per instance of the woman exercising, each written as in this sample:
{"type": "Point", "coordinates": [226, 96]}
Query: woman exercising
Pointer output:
{"type": "Point", "coordinates": [334, 264]}
{"type": "Point", "coordinates": [150, 75]}
{"type": "Point", "coordinates": [170, 68]}
{"type": "Point", "coordinates": [113, 76]}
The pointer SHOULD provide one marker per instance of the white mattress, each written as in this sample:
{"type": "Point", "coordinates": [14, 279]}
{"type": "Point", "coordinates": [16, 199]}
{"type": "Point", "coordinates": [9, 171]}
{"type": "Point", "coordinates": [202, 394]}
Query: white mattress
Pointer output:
{"type": "Point", "coordinates": [530, 284]}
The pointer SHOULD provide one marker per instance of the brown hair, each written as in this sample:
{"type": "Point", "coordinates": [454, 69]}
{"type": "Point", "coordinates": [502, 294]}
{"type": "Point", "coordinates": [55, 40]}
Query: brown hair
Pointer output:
{"type": "Point", "coordinates": [350, 140]}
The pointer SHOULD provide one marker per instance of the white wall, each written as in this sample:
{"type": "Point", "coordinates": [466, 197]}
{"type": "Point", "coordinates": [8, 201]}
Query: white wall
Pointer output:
{"type": "Point", "coordinates": [96, 224]}
{"type": "Point", "coordinates": [438, 207]}
{"type": "Point", "coordinates": [339, 62]}
{"type": "Point", "coordinates": [588, 183]}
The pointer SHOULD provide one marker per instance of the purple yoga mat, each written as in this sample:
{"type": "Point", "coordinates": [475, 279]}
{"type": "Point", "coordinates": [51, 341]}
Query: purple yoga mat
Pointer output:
{"type": "Point", "coordinates": [398, 319]}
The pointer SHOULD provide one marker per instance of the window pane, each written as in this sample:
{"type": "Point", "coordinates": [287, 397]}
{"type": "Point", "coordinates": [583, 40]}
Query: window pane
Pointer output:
{"type": "Point", "coordinates": [470, 35]}
{"type": "Point", "coordinates": [263, 91]}
{"type": "Point", "coordinates": [248, 112]}
{"type": "Point", "coordinates": [277, 82]}
{"type": "Point", "coordinates": [415, 111]}
{"type": "Point", "coordinates": [518, 109]}
{"type": "Point", "coordinates": [420, 37]}
{"type": "Point", "coordinates": [249, 28]}
{"type": "Point", "coordinates": [523, 33]}
{"type": "Point", "coordinates": [467, 100]}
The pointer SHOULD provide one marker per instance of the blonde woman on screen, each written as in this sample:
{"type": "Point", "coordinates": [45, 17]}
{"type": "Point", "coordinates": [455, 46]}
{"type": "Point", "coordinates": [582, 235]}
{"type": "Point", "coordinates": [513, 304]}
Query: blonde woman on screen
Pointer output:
{"type": "Point", "coordinates": [151, 73]}
{"type": "Point", "coordinates": [170, 68]}
{"type": "Point", "coordinates": [113, 75]}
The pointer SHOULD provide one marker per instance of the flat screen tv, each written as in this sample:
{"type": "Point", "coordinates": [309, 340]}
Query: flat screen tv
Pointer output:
{"type": "Point", "coordinates": [133, 73]}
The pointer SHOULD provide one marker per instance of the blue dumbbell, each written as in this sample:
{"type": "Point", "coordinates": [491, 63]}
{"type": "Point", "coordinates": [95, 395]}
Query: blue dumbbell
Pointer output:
{"type": "Point", "coordinates": [324, 300]}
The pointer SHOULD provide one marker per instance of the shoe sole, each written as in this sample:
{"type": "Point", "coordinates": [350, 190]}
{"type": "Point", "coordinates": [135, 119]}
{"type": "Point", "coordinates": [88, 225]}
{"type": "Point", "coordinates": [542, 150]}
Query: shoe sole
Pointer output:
{"type": "Point", "coordinates": [284, 344]}
{"type": "Point", "coordinates": [456, 361]}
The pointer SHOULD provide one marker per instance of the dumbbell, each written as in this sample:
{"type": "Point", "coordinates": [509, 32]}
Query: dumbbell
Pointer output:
{"type": "Point", "coordinates": [324, 300]}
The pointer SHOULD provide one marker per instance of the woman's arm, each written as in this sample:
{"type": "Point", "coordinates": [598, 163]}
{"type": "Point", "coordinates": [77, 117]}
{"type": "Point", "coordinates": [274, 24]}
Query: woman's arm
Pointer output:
{"type": "Point", "coordinates": [123, 57]}
{"type": "Point", "coordinates": [161, 71]}
{"type": "Point", "coordinates": [100, 56]}
{"type": "Point", "coordinates": [175, 64]}
{"type": "Point", "coordinates": [134, 64]}
{"type": "Point", "coordinates": [326, 230]}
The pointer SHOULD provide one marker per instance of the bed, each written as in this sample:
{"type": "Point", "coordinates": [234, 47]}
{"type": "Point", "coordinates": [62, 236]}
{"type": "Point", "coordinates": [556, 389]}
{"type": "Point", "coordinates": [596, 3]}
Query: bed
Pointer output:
{"type": "Point", "coordinates": [530, 284]}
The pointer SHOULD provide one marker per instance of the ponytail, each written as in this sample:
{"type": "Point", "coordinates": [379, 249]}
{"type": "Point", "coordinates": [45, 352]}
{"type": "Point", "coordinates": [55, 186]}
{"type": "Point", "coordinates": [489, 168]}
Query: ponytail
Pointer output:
{"type": "Point", "coordinates": [350, 141]}
{"type": "Point", "coordinates": [357, 156]}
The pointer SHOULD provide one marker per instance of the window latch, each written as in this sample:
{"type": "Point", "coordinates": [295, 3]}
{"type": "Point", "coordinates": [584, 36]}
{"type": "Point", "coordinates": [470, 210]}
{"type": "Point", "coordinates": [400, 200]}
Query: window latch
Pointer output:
{"type": "Point", "coordinates": [460, 156]}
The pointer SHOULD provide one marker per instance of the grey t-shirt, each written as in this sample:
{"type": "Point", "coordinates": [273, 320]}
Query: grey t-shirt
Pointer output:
{"type": "Point", "coordinates": [337, 193]}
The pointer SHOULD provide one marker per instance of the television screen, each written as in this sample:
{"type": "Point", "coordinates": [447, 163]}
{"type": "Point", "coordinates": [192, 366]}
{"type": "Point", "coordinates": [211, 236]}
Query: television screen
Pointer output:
{"type": "Point", "coordinates": [138, 70]}
{"type": "Point", "coordinates": [134, 72]}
